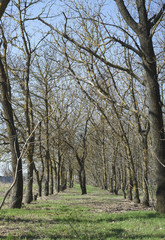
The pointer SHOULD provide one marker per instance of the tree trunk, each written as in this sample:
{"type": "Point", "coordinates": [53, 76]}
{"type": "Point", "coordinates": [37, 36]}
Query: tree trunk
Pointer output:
{"type": "Point", "coordinates": [104, 162]}
{"type": "Point", "coordinates": [129, 183]}
{"type": "Point", "coordinates": [111, 182]}
{"type": "Point", "coordinates": [51, 178]}
{"type": "Point", "coordinates": [39, 188]}
{"type": "Point", "coordinates": [145, 200]}
{"type": "Point", "coordinates": [47, 172]}
{"type": "Point", "coordinates": [59, 173]}
{"type": "Point", "coordinates": [82, 179]}
{"type": "Point", "coordinates": [70, 177]}
{"type": "Point", "coordinates": [132, 176]}
{"type": "Point", "coordinates": [40, 178]}
{"type": "Point", "coordinates": [17, 192]}
{"type": "Point", "coordinates": [29, 191]}
{"type": "Point", "coordinates": [113, 179]}
{"type": "Point", "coordinates": [56, 175]}
{"type": "Point", "coordinates": [123, 181]}
{"type": "Point", "coordinates": [28, 108]}
{"type": "Point", "coordinates": [30, 168]}
{"type": "Point", "coordinates": [47, 157]}
{"type": "Point", "coordinates": [104, 167]}
{"type": "Point", "coordinates": [155, 113]}
{"type": "Point", "coordinates": [63, 178]}
{"type": "Point", "coordinates": [156, 119]}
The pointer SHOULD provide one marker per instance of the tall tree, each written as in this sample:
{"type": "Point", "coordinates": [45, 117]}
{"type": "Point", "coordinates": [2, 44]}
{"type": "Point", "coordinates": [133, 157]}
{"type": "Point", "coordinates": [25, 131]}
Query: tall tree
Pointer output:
{"type": "Point", "coordinates": [26, 49]}
{"type": "Point", "coordinates": [17, 192]}
{"type": "Point", "coordinates": [144, 29]}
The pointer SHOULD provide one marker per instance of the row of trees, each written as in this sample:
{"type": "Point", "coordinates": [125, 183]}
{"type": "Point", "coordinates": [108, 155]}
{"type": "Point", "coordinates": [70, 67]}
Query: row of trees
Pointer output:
{"type": "Point", "coordinates": [82, 95]}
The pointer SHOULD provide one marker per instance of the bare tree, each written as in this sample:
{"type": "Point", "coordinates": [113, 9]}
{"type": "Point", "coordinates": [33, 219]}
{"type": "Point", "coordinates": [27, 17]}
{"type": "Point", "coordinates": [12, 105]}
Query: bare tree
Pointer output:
{"type": "Point", "coordinates": [85, 41]}
{"type": "Point", "coordinates": [17, 193]}
{"type": "Point", "coordinates": [145, 29]}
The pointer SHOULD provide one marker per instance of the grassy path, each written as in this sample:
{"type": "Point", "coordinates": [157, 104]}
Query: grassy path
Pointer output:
{"type": "Point", "coordinates": [68, 215]}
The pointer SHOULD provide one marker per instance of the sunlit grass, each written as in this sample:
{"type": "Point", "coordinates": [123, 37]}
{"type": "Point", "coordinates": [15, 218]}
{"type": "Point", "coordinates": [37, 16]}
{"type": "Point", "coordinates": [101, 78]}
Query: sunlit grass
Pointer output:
{"type": "Point", "coordinates": [69, 218]}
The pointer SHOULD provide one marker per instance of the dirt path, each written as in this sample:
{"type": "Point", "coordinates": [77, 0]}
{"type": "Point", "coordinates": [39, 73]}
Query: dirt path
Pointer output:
{"type": "Point", "coordinates": [100, 201]}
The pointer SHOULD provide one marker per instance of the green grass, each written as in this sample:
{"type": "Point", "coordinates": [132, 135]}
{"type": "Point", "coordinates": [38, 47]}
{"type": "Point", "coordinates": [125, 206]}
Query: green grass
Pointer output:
{"type": "Point", "coordinates": [69, 216]}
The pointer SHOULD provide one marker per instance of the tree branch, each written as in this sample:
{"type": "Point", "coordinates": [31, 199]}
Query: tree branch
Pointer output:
{"type": "Point", "coordinates": [155, 19]}
{"type": "Point", "coordinates": [128, 46]}
{"type": "Point", "coordinates": [89, 50]}
{"type": "Point", "coordinates": [126, 15]}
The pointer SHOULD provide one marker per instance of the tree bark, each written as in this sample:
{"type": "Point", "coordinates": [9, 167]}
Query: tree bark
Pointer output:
{"type": "Point", "coordinates": [29, 190]}
{"type": "Point", "coordinates": [51, 178]}
{"type": "Point", "coordinates": [132, 175]}
{"type": "Point", "coordinates": [145, 200]}
{"type": "Point", "coordinates": [17, 192]}
{"type": "Point", "coordinates": [3, 6]}
{"type": "Point", "coordinates": [82, 179]}
{"type": "Point", "coordinates": [29, 126]}
{"type": "Point", "coordinates": [104, 166]}
{"type": "Point", "coordinates": [155, 117]}
{"type": "Point", "coordinates": [59, 171]}
{"type": "Point", "coordinates": [56, 174]}
{"type": "Point", "coordinates": [129, 182]}
{"type": "Point", "coordinates": [39, 176]}
{"type": "Point", "coordinates": [63, 177]}
{"type": "Point", "coordinates": [70, 175]}
{"type": "Point", "coordinates": [47, 157]}
{"type": "Point", "coordinates": [47, 173]}
{"type": "Point", "coordinates": [123, 180]}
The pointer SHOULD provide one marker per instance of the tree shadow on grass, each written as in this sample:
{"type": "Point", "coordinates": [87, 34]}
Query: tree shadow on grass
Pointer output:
{"type": "Point", "coordinates": [64, 218]}
{"type": "Point", "coordinates": [132, 215]}
{"type": "Point", "coordinates": [77, 226]}
{"type": "Point", "coordinates": [113, 234]}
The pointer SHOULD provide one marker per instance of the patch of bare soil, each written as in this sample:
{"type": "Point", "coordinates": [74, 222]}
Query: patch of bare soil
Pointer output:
{"type": "Point", "coordinates": [117, 206]}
